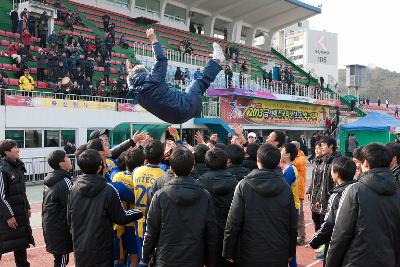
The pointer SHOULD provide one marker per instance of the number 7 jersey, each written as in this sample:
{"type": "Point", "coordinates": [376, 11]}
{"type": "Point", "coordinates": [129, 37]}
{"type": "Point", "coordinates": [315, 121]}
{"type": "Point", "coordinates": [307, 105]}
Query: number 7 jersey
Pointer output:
{"type": "Point", "coordinates": [143, 179]}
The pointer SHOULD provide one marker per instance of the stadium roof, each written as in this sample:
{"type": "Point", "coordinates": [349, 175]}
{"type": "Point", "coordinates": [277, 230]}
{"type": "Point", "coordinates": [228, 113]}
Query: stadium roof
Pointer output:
{"type": "Point", "coordinates": [270, 15]}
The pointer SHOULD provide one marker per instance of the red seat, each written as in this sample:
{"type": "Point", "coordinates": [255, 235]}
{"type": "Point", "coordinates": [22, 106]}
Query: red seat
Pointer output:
{"type": "Point", "coordinates": [13, 82]}
{"type": "Point", "coordinates": [33, 71]}
{"type": "Point", "coordinates": [7, 66]}
{"type": "Point", "coordinates": [10, 34]}
{"type": "Point", "coordinates": [5, 42]}
{"type": "Point", "coordinates": [15, 68]}
{"type": "Point", "coordinates": [2, 33]}
{"type": "Point", "coordinates": [41, 85]}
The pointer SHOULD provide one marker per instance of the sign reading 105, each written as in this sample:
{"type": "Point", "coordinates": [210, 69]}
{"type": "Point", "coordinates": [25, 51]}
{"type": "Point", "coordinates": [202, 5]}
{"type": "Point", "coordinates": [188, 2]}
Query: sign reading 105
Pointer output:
{"type": "Point", "coordinates": [322, 59]}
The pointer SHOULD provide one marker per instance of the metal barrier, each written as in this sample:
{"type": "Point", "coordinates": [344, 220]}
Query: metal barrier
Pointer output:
{"type": "Point", "coordinates": [37, 168]}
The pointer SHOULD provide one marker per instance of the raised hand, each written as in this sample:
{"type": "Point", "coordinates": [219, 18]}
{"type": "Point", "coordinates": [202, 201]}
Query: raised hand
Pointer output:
{"type": "Point", "coordinates": [138, 137]}
{"type": "Point", "coordinates": [214, 137]}
{"type": "Point", "coordinates": [199, 137]}
{"type": "Point", "coordinates": [128, 66]}
{"type": "Point", "coordinates": [151, 35]}
{"type": "Point", "coordinates": [173, 131]}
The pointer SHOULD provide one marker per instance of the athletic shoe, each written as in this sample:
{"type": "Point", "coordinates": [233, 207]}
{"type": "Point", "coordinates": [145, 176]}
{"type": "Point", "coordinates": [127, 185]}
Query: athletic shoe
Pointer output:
{"type": "Point", "coordinates": [321, 256]}
{"type": "Point", "coordinates": [218, 53]}
{"type": "Point", "coordinates": [320, 249]}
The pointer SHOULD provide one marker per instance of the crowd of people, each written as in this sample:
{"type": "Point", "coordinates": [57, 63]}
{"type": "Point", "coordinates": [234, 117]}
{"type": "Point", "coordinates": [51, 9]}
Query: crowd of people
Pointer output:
{"type": "Point", "coordinates": [152, 203]}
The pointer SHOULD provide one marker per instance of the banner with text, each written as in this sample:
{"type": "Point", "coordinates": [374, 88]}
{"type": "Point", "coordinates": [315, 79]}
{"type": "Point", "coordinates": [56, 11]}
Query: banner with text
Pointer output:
{"type": "Point", "coordinates": [27, 101]}
{"type": "Point", "coordinates": [258, 111]}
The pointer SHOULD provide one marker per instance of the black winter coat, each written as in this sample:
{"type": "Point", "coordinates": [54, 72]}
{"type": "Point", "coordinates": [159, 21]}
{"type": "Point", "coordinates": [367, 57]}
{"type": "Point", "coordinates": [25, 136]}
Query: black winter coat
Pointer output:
{"type": "Point", "coordinates": [322, 183]}
{"type": "Point", "coordinates": [250, 164]}
{"type": "Point", "coordinates": [13, 203]}
{"type": "Point", "coordinates": [238, 171]}
{"type": "Point", "coordinates": [367, 229]}
{"type": "Point", "coordinates": [324, 234]}
{"type": "Point", "coordinates": [181, 226]}
{"type": "Point", "coordinates": [56, 232]}
{"type": "Point", "coordinates": [93, 207]}
{"type": "Point", "coordinates": [264, 219]}
{"type": "Point", "coordinates": [200, 168]}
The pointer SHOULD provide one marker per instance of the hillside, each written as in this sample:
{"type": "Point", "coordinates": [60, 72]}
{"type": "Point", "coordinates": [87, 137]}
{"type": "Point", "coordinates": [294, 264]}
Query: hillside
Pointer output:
{"type": "Point", "coordinates": [380, 82]}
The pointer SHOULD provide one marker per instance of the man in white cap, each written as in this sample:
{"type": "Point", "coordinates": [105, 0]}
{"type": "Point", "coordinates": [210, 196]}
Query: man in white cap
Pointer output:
{"type": "Point", "coordinates": [252, 137]}
{"type": "Point", "coordinates": [166, 102]}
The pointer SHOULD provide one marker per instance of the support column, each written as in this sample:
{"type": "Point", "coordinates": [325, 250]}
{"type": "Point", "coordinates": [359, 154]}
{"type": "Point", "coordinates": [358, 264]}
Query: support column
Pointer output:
{"type": "Point", "coordinates": [209, 26]}
{"type": "Point", "coordinates": [231, 32]}
{"type": "Point", "coordinates": [250, 36]}
{"type": "Point", "coordinates": [267, 42]}
{"type": "Point", "coordinates": [163, 4]}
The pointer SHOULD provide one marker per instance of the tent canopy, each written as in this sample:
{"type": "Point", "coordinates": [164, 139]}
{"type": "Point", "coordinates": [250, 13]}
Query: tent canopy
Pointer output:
{"type": "Point", "coordinates": [373, 121]}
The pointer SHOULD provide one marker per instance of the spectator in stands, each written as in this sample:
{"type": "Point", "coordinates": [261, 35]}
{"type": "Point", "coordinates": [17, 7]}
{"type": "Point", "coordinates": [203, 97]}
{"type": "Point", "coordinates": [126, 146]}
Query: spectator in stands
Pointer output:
{"type": "Point", "coordinates": [60, 72]}
{"type": "Point", "coordinates": [60, 41]}
{"type": "Point", "coordinates": [106, 21]}
{"type": "Point", "coordinates": [26, 38]}
{"type": "Point", "coordinates": [264, 76]}
{"type": "Point", "coordinates": [104, 53]}
{"type": "Point", "coordinates": [89, 68]}
{"type": "Point", "coordinates": [196, 74]}
{"type": "Point", "coordinates": [121, 80]}
{"type": "Point", "coordinates": [41, 65]}
{"type": "Point", "coordinates": [166, 107]}
{"type": "Point", "coordinates": [367, 100]}
{"type": "Point", "coordinates": [26, 82]}
{"type": "Point", "coordinates": [75, 88]}
{"type": "Point", "coordinates": [52, 40]}
{"type": "Point", "coordinates": [178, 75]}
{"type": "Point", "coordinates": [226, 34]}
{"type": "Point", "coordinates": [241, 79]}
{"type": "Point", "coordinates": [321, 81]}
{"type": "Point", "coordinates": [102, 90]}
{"type": "Point", "coordinates": [109, 45]}
{"type": "Point", "coordinates": [57, 88]}
{"type": "Point", "coordinates": [98, 42]}
{"type": "Point", "coordinates": [387, 103]}
{"type": "Point", "coordinates": [58, 8]}
{"type": "Point", "coordinates": [199, 29]}
{"type": "Point", "coordinates": [111, 32]}
{"type": "Point", "coordinates": [244, 67]}
{"type": "Point", "coordinates": [32, 25]}
{"type": "Point", "coordinates": [122, 69]}
{"type": "Point", "coordinates": [14, 20]}
{"type": "Point", "coordinates": [87, 86]}
{"type": "Point", "coordinates": [379, 101]}
{"type": "Point", "coordinates": [23, 23]}
{"type": "Point", "coordinates": [115, 91]}
{"type": "Point", "coordinates": [24, 13]}
{"type": "Point", "coordinates": [3, 83]}
{"type": "Point", "coordinates": [107, 71]}
{"type": "Point", "coordinates": [122, 42]}
{"type": "Point", "coordinates": [13, 51]}
{"type": "Point", "coordinates": [192, 28]}
{"type": "Point", "coordinates": [228, 76]}
{"type": "Point", "coordinates": [396, 112]}
{"type": "Point", "coordinates": [43, 29]}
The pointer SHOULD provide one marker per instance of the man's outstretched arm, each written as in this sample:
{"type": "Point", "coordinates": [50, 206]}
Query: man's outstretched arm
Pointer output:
{"type": "Point", "coordinates": [159, 70]}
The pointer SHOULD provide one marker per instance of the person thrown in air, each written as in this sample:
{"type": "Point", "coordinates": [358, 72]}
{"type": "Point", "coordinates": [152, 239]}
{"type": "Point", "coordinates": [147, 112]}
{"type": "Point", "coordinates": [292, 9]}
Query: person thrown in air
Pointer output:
{"type": "Point", "coordinates": [168, 103]}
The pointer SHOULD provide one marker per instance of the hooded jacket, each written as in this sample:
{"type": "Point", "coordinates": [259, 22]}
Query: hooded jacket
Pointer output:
{"type": "Point", "coordinates": [238, 171]}
{"type": "Point", "coordinates": [200, 168]}
{"type": "Point", "coordinates": [250, 164]}
{"type": "Point", "coordinates": [367, 229]}
{"type": "Point", "coordinates": [181, 226]}
{"type": "Point", "coordinates": [54, 212]}
{"type": "Point", "coordinates": [93, 207]}
{"type": "Point", "coordinates": [13, 203]}
{"type": "Point", "coordinates": [264, 219]}
{"type": "Point", "coordinates": [157, 97]}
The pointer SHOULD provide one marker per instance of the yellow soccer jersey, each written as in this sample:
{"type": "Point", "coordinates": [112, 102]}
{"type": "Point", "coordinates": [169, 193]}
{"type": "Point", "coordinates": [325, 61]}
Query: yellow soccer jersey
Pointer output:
{"type": "Point", "coordinates": [143, 179]}
{"type": "Point", "coordinates": [126, 179]}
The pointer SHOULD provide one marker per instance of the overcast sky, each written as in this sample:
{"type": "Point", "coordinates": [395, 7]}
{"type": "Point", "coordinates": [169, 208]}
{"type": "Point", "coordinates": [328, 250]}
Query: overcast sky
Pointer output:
{"type": "Point", "coordinates": [367, 30]}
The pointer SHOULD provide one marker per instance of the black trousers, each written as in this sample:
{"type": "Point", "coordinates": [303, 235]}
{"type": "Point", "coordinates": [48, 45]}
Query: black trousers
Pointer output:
{"type": "Point", "coordinates": [21, 258]}
{"type": "Point", "coordinates": [61, 260]}
{"type": "Point", "coordinates": [318, 219]}
{"type": "Point", "coordinates": [40, 74]}
{"type": "Point", "coordinates": [43, 38]}
{"type": "Point", "coordinates": [14, 26]}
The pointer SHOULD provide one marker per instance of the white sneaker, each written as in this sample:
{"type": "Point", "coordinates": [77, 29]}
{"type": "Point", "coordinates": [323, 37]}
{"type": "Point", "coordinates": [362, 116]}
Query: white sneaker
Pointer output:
{"type": "Point", "coordinates": [218, 53]}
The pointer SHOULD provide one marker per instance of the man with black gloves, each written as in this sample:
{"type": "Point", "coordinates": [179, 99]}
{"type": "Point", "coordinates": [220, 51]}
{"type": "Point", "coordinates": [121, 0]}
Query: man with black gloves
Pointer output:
{"type": "Point", "coordinates": [168, 103]}
{"type": "Point", "coordinates": [343, 171]}
{"type": "Point", "coordinates": [57, 184]}
{"type": "Point", "coordinates": [367, 229]}
{"type": "Point", "coordinates": [235, 159]}
{"type": "Point", "coordinates": [181, 225]}
{"type": "Point", "coordinates": [93, 207]}
{"type": "Point", "coordinates": [220, 183]}
{"type": "Point", "coordinates": [262, 216]}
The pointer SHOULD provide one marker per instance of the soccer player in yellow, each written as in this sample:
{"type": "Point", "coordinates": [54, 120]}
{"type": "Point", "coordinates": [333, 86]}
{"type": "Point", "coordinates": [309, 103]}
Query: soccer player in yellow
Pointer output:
{"type": "Point", "coordinates": [125, 238]}
{"type": "Point", "coordinates": [143, 179]}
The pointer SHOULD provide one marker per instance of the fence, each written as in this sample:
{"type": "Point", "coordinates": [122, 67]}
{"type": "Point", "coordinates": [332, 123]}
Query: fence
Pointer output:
{"type": "Point", "coordinates": [37, 168]}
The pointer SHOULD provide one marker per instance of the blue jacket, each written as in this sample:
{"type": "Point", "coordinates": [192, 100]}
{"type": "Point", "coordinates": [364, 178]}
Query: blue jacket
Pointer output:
{"type": "Point", "coordinates": [157, 97]}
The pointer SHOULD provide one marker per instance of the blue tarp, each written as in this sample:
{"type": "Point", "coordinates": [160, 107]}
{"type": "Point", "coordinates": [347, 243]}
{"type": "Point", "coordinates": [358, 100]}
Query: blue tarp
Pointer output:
{"type": "Point", "coordinates": [373, 121]}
